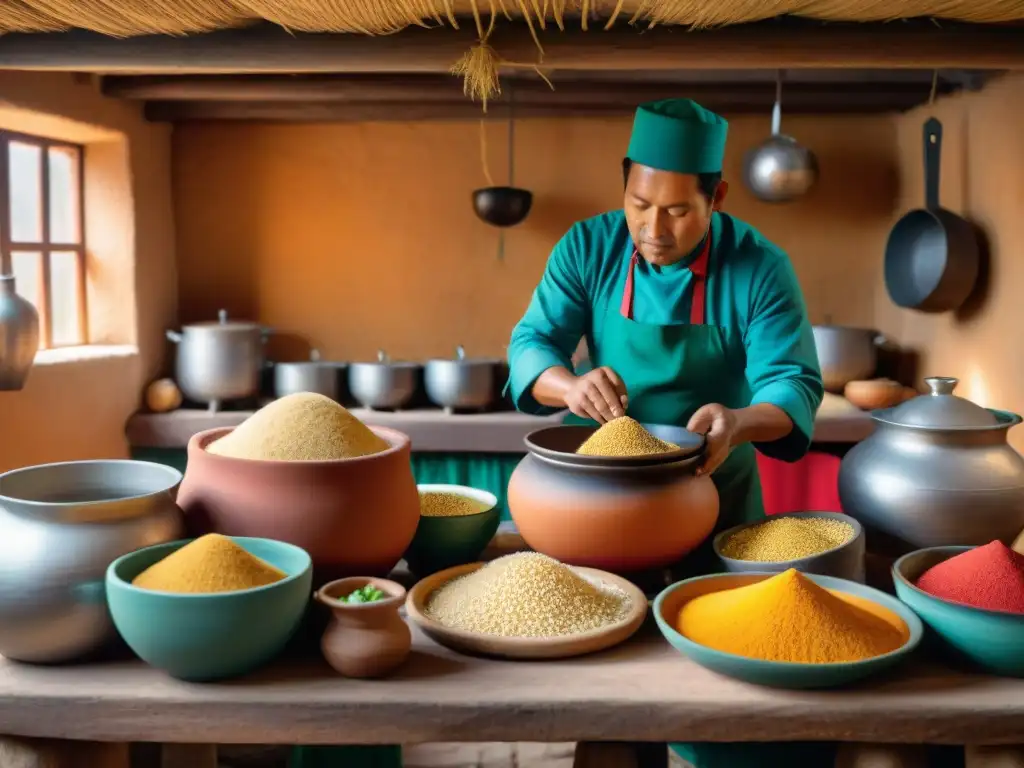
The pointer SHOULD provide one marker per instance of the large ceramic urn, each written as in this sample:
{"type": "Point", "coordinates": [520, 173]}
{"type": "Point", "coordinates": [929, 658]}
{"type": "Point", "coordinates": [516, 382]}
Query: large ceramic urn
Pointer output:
{"type": "Point", "coordinates": [937, 471]}
{"type": "Point", "coordinates": [621, 514]}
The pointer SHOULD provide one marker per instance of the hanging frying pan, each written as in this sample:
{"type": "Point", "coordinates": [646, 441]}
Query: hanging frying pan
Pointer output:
{"type": "Point", "coordinates": [931, 257]}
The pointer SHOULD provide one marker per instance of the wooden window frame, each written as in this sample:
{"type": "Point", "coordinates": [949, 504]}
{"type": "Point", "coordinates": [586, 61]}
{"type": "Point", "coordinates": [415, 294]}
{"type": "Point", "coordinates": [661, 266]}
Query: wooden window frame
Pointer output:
{"type": "Point", "coordinates": [44, 246]}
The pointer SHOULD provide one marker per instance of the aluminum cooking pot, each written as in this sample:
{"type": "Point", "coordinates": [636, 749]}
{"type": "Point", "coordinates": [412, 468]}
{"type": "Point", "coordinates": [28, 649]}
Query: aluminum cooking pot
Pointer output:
{"type": "Point", "coordinates": [314, 375]}
{"type": "Point", "coordinates": [846, 354]}
{"type": "Point", "coordinates": [937, 471]}
{"type": "Point", "coordinates": [385, 383]}
{"type": "Point", "coordinates": [219, 361]}
{"type": "Point", "coordinates": [461, 382]}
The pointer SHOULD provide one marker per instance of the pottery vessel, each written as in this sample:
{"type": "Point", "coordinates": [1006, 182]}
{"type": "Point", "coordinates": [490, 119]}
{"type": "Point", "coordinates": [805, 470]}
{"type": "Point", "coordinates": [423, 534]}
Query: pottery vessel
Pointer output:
{"type": "Point", "coordinates": [937, 471]}
{"type": "Point", "coordinates": [617, 514]}
{"type": "Point", "coordinates": [364, 639]}
{"type": "Point", "coordinates": [61, 525]}
{"type": "Point", "coordinates": [353, 516]}
{"type": "Point", "coordinates": [19, 336]}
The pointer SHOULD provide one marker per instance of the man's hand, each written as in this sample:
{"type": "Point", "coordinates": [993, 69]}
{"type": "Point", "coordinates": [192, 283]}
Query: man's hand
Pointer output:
{"type": "Point", "coordinates": [599, 395]}
{"type": "Point", "coordinates": [719, 424]}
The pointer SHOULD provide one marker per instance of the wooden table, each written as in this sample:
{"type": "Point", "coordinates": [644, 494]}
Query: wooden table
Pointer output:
{"type": "Point", "coordinates": [641, 691]}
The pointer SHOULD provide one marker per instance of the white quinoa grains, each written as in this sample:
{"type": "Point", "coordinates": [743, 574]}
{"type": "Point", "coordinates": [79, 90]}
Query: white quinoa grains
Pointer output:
{"type": "Point", "coordinates": [624, 437]}
{"type": "Point", "coordinates": [526, 595]}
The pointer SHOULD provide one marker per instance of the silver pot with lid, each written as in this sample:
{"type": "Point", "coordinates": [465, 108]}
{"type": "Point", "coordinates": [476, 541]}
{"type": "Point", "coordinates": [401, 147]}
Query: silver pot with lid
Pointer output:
{"type": "Point", "coordinates": [220, 360]}
{"type": "Point", "coordinates": [461, 382]}
{"type": "Point", "coordinates": [937, 471]}
{"type": "Point", "coordinates": [313, 375]}
{"type": "Point", "coordinates": [385, 383]}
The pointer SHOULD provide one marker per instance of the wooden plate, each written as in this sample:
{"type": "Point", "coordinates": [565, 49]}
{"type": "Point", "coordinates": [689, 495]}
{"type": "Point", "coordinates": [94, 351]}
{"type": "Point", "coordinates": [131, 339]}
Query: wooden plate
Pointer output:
{"type": "Point", "coordinates": [525, 647]}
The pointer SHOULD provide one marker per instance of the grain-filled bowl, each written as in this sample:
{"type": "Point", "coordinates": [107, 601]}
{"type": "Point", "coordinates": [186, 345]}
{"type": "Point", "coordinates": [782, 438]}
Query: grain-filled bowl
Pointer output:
{"type": "Point", "coordinates": [623, 513]}
{"type": "Point", "coordinates": [456, 525]}
{"type": "Point", "coordinates": [779, 536]}
{"type": "Point", "coordinates": [991, 640]}
{"type": "Point", "coordinates": [508, 601]}
{"type": "Point", "coordinates": [669, 604]}
{"type": "Point", "coordinates": [210, 636]}
{"type": "Point", "coordinates": [355, 516]}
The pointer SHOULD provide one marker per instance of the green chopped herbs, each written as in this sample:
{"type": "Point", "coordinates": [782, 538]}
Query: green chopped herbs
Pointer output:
{"type": "Point", "coordinates": [365, 594]}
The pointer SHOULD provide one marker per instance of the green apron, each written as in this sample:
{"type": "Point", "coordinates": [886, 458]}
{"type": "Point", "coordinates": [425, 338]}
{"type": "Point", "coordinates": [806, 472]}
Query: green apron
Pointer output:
{"type": "Point", "coordinates": [671, 371]}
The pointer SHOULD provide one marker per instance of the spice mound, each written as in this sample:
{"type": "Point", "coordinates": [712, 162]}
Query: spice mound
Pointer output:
{"type": "Point", "coordinates": [444, 504]}
{"type": "Point", "coordinates": [211, 563]}
{"type": "Point", "coordinates": [989, 577]}
{"type": "Point", "coordinates": [526, 595]}
{"type": "Point", "coordinates": [790, 618]}
{"type": "Point", "coordinates": [300, 427]}
{"type": "Point", "coordinates": [787, 538]}
{"type": "Point", "coordinates": [624, 437]}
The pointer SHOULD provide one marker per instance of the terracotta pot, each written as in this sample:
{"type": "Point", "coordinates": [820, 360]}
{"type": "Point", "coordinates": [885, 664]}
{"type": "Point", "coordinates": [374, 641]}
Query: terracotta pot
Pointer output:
{"type": "Point", "coordinates": [364, 639]}
{"type": "Point", "coordinates": [352, 515]}
{"type": "Point", "coordinates": [617, 515]}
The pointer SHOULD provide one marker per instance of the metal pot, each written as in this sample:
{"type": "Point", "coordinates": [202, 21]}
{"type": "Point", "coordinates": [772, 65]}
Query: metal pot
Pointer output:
{"type": "Point", "coordinates": [19, 336]}
{"type": "Point", "coordinates": [937, 471]}
{"type": "Point", "coordinates": [314, 375]}
{"type": "Point", "coordinates": [461, 382]}
{"type": "Point", "coordinates": [846, 354]}
{"type": "Point", "coordinates": [61, 525]}
{"type": "Point", "coordinates": [219, 361]}
{"type": "Point", "coordinates": [383, 384]}
{"type": "Point", "coordinates": [623, 514]}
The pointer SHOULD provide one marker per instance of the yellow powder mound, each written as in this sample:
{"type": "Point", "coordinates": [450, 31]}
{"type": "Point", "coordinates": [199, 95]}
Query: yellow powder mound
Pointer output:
{"type": "Point", "coordinates": [789, 618]}
{"type": "Point", "coordinates": [526, 595]}
{"type": "Point", "coordinates": [211, 563]}
{"type": "Point", "coordinates": [624, 437]}
{"type": "Point", "coordinates": [300, 427]}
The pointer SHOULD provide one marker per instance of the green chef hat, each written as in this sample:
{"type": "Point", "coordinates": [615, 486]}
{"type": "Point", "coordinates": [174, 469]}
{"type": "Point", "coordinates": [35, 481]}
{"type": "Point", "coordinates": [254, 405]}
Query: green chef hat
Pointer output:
{"type": "Point", "coordinates": [678, 135]}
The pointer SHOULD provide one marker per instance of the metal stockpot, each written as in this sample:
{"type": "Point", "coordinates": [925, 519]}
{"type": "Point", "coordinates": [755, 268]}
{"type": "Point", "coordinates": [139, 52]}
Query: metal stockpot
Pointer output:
{"type": "Point", "coordinates": [846, 354]}
{"type": "Point", "coordinates": [314, 375]}
{"type": "Point", "coordinates": [461, 382]}
{"type": "Point", "coordinates": [61, 525]}
{"type": "Point", "coordinates": [219, 361]}
{"type": "Point", "coordinates": [937, 471]}
{"type": "Point", "coordinates": [383, 384]}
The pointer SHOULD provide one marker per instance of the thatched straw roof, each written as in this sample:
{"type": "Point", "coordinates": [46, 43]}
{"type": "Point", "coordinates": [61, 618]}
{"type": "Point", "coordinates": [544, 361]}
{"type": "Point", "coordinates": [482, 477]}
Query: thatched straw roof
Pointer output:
{"type": "Point", "coordinates": [480, 65]}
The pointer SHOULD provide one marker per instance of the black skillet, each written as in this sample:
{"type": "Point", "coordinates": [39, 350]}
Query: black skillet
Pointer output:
{"type": "Point", "coordinates": [931, 257]}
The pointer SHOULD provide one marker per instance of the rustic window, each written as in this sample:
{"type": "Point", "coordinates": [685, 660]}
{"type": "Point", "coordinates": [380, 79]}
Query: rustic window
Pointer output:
{"type": "Point", "coordinates": [41, 231]}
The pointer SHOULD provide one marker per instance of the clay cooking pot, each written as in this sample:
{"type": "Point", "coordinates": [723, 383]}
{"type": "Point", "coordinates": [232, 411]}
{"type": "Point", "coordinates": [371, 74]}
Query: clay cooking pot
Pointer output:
{"type": "Point", "coordinates": [364, 639]}
{"type": "Point", "coordinates": [353, 516]}
{"type": "Point", "coordinates": [618, 514]}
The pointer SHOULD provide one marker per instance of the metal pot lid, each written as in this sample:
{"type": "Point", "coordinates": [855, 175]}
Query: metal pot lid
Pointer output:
{"type": "Point", "coordinates": [940, 408]}
{"type": "Point", "coordinates": [223, 324]}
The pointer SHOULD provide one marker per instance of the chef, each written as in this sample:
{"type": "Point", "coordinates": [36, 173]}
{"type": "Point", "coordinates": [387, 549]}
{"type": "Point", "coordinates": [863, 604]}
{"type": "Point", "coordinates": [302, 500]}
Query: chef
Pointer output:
{"type": "Point", "coordinates": [691, 316]}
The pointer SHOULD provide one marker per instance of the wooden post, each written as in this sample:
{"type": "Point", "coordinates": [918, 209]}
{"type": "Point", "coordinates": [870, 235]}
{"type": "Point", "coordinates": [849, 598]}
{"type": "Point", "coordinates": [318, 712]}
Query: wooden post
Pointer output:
{"type": "Point", "coordinates": [16, 752]}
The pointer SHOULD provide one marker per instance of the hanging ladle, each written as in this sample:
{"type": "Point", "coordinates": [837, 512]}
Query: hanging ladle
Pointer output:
{"type": "Point", "coordinates": [504, 206]}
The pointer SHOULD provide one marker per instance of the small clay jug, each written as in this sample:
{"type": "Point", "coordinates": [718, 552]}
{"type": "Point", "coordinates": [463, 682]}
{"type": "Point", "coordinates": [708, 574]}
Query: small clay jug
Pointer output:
{"type": "Point", "coordinates": [364, 639]}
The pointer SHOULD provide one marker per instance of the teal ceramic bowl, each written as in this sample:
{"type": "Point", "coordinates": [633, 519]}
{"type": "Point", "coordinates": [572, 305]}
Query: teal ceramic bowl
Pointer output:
{"type": "Point", "coordinates": [779, 674]}
{"type": "Point", "coordinates": [991, 640]}
{"type": "Point", "coordinates": [203, 637]}
{"type": "Point", "coordinates": [444, 542]}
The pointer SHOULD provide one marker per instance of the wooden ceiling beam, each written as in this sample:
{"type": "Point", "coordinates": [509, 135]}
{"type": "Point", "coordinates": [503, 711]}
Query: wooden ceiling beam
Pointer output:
{"type": "Point", "coordinates": [266, 48]}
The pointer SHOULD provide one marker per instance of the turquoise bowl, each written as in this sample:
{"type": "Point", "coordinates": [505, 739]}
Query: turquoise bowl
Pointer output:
{"type": "Point", "coordinates": [444, 542]}
{"type": "Point", "coordinates": [779, 674]}
{"type": "Point", "coordinates": [203, 637]}
{"type": "Point", "coordinates": [991, 640]}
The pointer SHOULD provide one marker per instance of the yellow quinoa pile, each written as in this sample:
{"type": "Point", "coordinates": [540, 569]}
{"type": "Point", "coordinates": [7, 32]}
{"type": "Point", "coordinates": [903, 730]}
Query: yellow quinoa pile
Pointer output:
{"type": "Point", "coordinates": [624, 437]}
{"type": "Point", "coordinates": [787, 538]}
{"type": "Point", "coordinates": [444, 504]}
{"type": "Point", "coordinates": [300, 427]}
{"type": "Point", "coordinates": [526, 595]}
{"type": "Point", "coordinates": [211, 563]}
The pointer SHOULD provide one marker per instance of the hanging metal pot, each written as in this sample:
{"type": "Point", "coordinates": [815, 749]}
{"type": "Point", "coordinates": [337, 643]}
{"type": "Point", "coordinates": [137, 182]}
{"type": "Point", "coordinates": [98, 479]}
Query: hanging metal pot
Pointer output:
{"type": "Point", "coordinates": [19, 336]}
{"type": "Point", "coordinates": [780, 169]}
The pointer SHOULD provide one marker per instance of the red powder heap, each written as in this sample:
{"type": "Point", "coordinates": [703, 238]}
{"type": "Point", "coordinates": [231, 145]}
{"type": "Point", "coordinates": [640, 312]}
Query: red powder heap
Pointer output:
{"type": "Point", "coordinates": [989, 577]}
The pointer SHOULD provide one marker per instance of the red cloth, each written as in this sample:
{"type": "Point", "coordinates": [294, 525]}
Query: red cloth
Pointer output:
{"type": "Point", "coordinates": [808, 485]}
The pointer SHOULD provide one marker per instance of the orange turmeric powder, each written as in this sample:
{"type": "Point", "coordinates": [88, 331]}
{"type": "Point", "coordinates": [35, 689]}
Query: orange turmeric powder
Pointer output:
{"type": "Point", "coordinates": [790, 618]}
{"type": "Point", "coordinates": [211, 563]}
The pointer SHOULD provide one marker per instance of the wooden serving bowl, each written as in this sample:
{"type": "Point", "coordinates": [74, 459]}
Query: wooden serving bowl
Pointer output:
{"type": "Point", "coordinates": [871, 394]}
{"type": "Point", "coordinates": [525, 647]}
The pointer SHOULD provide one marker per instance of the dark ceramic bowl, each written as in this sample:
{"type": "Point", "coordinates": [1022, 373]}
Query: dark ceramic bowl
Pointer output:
{"type": "Point", "coordinates": [502, 206]}
{"type": "Point", "coordinates": [844, 562]}
{"type": "Point", "coordinates": [444, 542]}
